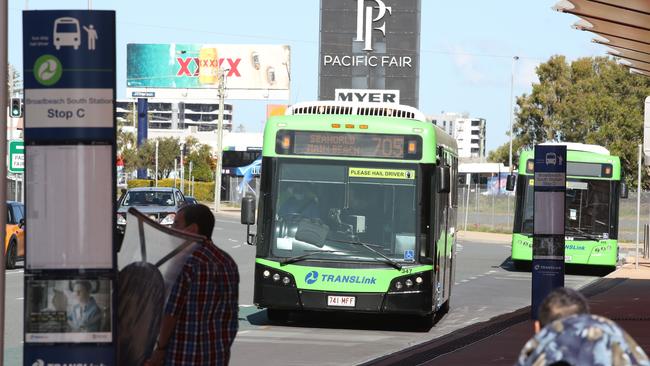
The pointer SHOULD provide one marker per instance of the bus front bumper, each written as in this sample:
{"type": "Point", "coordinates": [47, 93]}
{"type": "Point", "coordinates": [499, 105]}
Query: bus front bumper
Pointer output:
{"type": "Point", "coordinates": [291, 298]}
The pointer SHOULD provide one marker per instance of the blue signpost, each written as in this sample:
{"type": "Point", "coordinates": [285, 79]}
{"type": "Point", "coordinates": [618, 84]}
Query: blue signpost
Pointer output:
{"type": "Point", "coordinates": [70, 266]}
{"type": "Point", "coordinates": [548, 232]}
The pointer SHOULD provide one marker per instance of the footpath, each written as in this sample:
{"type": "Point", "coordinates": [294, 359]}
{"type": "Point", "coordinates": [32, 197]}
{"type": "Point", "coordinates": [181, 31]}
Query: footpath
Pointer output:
{"type": "Point", "coordinates": [623, 296]}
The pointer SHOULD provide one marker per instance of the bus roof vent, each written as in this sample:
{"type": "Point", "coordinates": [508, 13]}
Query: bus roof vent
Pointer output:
{"type": "Point", "coordinates": [578, 146]}
{"type": "Point", "coordinates": [358, 109]}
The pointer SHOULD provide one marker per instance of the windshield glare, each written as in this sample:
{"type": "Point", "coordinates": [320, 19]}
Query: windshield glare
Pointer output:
{"type": "Point", "coordinates": [146, 198]}
{"type": "Point", "coordinates": [319, 207]}
{"type": "Point", "coordinates": [587, 205]}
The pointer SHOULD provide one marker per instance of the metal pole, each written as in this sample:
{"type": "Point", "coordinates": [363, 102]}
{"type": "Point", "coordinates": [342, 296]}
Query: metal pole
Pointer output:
{"type": "Point", "coordinates": [193, 187]}
{"type": "Point", "coordinates": [156, 163]}
{"type": "Point", "coordinates": [175, 172]}
{"type": "Point", "coordinates": [4, 62]}
{"type": "Point", "coordinates": [182, 171]}
{"type": "Point", "coordinates": [638, 207]}
{"type": "Point", "coordinates": [467, 205]}
{"type": "Point", "coordinates": [512, 83]}
{"type": "Point", "coordinates": [190, 174]}
{"type": "Point", "coordinates": [217, 178]}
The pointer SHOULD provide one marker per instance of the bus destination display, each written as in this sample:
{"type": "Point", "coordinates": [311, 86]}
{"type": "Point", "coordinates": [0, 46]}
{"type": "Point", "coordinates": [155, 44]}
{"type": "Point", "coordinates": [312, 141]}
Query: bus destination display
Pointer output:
{"type": "Point", "coordinates": [355, 145]}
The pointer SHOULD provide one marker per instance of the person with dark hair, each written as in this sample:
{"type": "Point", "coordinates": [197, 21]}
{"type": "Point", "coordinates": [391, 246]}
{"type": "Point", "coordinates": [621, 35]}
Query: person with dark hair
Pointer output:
{"type": "Point", "coordinates": [85, 315]}
{"type": "Point", "coordinates": [199, 215]}
{"type": "Point", "coordinates": [560, 303]}
{"type": "Point", "coordinates": [200, 318]}
{"type": "Point", "coordinates": [582, 339]}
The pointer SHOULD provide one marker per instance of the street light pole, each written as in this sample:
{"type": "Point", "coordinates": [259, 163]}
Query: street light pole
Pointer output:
{"type": "Point", "coordinates": [512, 82]}
{"type": "Point", "coordinates": [217, 178]}
{"type": "Point", "coordinates": [182, 170]}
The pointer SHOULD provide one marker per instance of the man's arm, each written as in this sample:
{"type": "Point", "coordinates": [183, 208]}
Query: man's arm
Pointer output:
{"type": "Point", "coordinates": [166, 329]}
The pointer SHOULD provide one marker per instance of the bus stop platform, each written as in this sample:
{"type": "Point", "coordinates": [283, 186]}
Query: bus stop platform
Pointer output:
{"type": "Point", "coordinates": [622, 296]}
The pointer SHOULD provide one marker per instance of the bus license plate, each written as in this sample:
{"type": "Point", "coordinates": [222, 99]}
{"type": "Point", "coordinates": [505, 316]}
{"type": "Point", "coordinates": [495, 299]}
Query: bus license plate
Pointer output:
{"type": "Point", "coordinates": [347, 301]}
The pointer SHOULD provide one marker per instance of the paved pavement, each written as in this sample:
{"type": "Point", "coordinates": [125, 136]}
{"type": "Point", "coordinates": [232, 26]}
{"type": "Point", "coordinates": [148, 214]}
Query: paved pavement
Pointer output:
{"type": "Point", "coordinates": [623, 296]}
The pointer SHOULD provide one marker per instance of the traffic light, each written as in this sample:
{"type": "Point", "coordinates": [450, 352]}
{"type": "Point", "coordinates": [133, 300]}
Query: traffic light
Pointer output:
{"type": "Point", "coordinates": [16, 108]}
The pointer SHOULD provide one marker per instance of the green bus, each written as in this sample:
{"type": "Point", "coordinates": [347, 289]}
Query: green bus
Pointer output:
{"type": "Point", "coordinates": [357, 211]}
{"type": "Point", "coordinates": [593, 189]}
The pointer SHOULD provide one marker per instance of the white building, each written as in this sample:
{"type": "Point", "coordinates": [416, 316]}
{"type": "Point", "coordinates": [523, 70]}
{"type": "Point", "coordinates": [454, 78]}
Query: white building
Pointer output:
{"type": "Point", "coordinates": [175, 115]}
{"type": "Point", "coordinates": [468, 131]}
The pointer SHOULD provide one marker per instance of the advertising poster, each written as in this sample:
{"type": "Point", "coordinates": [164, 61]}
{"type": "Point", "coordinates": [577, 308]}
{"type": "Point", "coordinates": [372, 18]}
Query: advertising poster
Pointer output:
{"type": "Point", "coordinates": [167, 70]}
{"type": "Point", "coordinates": [71, 310]}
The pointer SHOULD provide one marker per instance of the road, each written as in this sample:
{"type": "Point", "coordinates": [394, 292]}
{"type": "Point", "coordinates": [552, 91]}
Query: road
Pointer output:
{"type": "Point", "coordinates": [486, 286]}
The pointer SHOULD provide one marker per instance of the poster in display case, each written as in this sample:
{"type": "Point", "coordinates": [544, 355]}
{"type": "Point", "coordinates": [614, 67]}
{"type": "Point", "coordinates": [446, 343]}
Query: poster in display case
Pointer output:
{"type": "Point", "coordinates": [68, 310]}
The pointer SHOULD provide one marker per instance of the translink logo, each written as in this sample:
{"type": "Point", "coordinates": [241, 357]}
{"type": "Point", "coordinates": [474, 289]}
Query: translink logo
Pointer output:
{"type": "Point", "coordinates": [312, 277]}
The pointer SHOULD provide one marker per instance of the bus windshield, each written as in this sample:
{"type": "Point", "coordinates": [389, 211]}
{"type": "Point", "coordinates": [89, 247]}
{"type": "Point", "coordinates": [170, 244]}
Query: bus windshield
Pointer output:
{"type": "Point", "coordinates": [327, 207]}
{"type": "Point", "coordinates": [587, 207]}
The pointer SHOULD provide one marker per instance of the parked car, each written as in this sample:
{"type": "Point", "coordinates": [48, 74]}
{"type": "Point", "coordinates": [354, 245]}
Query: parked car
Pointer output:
{"type": "Point", "coordinates": [159, 203]}
{"type": "Point", "coordinates": [191, 200]}
{"type": "Point", "coordinates": [15, 236]}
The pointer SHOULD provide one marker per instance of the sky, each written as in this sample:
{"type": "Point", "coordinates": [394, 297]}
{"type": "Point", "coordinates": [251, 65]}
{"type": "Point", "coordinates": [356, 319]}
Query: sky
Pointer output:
{"type": "Point", "coordinates": [466, 59]}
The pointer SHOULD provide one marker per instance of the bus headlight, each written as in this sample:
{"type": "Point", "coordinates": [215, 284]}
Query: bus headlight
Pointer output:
{"type": "Point", "coordinates": [272, 276]}
{"type": "Point", "coordinates": [410, 283]}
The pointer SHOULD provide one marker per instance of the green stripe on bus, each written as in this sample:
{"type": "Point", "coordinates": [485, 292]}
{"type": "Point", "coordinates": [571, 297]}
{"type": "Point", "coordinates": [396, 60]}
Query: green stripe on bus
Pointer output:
{"type": "Point", "coordinates": [344, 279]}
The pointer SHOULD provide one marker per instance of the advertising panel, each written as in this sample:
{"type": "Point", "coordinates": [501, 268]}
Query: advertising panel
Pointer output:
{"type": "Point", "coordinates": [370, 44]}
{"type": "Point", "coordinates": [192, 70]}
{"type": "Point", "coordinates": [65, 187]}
{"type": "Point", "coordinates": [68, 310]}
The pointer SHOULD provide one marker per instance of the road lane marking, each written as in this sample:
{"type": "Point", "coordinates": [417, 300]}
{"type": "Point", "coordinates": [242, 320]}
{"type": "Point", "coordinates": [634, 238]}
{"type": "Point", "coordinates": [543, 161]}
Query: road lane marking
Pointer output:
{"type": "Point", "coordinates": [14, 271]}
{"type": "Point", "coordinates": [233, 240]}
{"type": "Point", "coordinates": [236, 246]}
{"type": "Point", "coordinates": [20, 298]}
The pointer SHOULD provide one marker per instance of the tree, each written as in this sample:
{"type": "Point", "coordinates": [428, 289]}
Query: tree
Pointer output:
{"type": "Point", "coordinates": [590, 100]}
{"type": "Point", "coordinates": [202, 163]}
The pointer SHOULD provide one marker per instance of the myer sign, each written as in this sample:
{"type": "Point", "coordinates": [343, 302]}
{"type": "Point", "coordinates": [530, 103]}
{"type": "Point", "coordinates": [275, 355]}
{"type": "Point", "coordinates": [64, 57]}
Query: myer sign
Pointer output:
{"type": "Point", "coordinates": [370, 44]}
{"type": "Point", "coordinates": [367, 95]}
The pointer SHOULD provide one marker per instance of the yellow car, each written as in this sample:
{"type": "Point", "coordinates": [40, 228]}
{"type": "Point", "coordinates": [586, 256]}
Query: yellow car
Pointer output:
{"type": "Point", "coordinates": [15, 238]}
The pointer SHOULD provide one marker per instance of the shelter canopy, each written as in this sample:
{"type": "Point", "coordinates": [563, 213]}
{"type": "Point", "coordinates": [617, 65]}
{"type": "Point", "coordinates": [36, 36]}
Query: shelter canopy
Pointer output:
{"type": "Point", "coordinates": [621, 25]}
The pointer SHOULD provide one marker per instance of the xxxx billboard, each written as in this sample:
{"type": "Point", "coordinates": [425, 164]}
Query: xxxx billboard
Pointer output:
{"type": "Point", "coordinates": [192, 70]}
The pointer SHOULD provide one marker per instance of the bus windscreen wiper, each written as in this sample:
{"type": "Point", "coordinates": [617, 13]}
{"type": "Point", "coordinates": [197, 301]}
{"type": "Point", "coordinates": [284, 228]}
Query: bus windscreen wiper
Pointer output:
{"type": "Point", "coordinates": [573, 231]}
{"type": "Point", "coordinates": [306, 255]}
{"type": "Point", "coordinates": [388, 260]}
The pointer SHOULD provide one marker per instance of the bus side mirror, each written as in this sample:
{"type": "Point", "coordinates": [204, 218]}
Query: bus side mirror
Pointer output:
{"type": "Point", "coordinates": [248, 217]}
{"type": "Point", "coordinates": [248, 210]}
{"type": "Point", "coordinates": [624, 192]}
{"type": "Point", "coordinates": [510, 183]}
{"type": "Point", "coordinates": [444, 179]}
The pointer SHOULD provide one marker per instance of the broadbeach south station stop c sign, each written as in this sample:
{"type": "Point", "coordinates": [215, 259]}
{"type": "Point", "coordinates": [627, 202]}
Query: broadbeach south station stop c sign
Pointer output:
{"type": "Point", "coordinates": [69, 74]}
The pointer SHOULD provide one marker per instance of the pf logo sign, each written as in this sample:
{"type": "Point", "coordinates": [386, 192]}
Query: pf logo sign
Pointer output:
{"type": "Point", "coordinates": [366, 19]}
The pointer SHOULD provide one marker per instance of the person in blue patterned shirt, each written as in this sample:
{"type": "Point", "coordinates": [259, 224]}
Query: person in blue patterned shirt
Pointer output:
{"type": "Point", "coordinates": [201, 314]}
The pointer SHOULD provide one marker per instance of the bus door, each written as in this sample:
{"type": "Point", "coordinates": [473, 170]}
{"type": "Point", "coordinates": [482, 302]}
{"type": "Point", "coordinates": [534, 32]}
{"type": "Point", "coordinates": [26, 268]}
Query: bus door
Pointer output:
{"type": "Point", "coordinates": [439, 216]}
